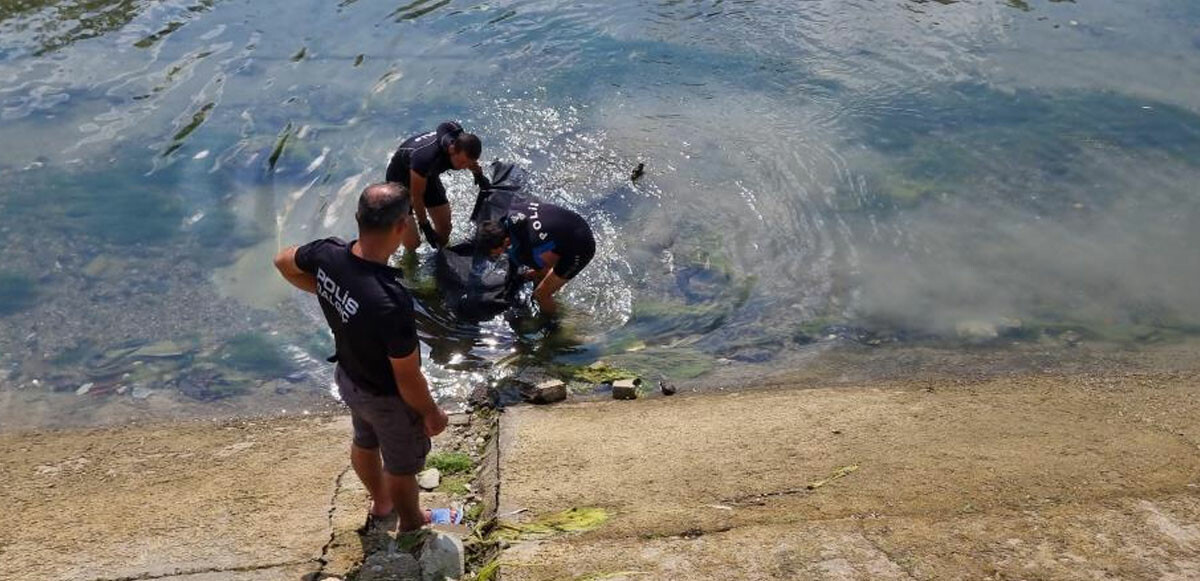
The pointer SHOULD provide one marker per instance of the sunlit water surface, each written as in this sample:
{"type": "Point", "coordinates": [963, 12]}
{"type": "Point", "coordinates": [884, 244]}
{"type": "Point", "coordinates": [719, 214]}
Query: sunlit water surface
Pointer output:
{"type": "Point", "coordinates": [818, 172]}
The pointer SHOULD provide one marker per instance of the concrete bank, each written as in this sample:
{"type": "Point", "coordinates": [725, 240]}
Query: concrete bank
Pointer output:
{"type": "Point", "coordinates": [1034, 477]}
{"type": "Point", "coordinates": [1076, 477]}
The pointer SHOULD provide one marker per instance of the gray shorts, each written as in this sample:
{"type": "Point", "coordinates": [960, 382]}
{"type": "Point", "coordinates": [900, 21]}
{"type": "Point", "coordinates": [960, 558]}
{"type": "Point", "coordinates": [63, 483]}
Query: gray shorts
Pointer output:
{"type": "Point", "coordinates": [386, 423]}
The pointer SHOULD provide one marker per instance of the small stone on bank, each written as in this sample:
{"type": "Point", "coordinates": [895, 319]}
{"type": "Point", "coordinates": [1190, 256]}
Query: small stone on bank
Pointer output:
{"type": "Point", "coordinates": [460, 419]}
{"type": "Point", "coordinates": [83, 389]}
{"type": "Point", "coordinates": [547, 392]}
{"type": "Point", "coordinates": [429, 479]}
{"type": "Point", "coordinates": [625, 388]}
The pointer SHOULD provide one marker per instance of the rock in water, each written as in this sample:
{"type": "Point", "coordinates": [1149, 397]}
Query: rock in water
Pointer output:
{"type": "Point", "coordinates": [442, 557]}
{"type": "Point", "coordinates": [976, 330]}
{"type": "Point", "coordinates": [626, 388]}
{"type": "Point", "coordinates": [638, 172]}
{"type": "Point", "coordinates": [667, 388]}
{"type": "Point", "coordinates": [429, 479]}
{"type": "Point", "coordinates": [552, 391]}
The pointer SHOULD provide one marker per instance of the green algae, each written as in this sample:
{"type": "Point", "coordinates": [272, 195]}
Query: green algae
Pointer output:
{"type": "Point", "coordinates": [598, 372]}
{"type": "Point", "coordinates": [675, 363]}
{"type": "Point", "coordinates": [574, 520]}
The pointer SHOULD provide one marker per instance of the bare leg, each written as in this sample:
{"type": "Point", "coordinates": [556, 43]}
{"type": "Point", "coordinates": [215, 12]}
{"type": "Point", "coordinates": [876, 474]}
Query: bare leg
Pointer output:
{"type": "Point", "coordinates": [412, 237]}
{"type": "Point", "coordinates": [369, 468]}
{"type": "Point", "coordinates": [406, 495]}
{"type": "Point", "coordinates": [440, 217]}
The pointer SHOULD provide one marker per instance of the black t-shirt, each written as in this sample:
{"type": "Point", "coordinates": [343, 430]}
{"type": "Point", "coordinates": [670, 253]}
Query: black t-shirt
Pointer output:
{"type": "Point", "coordinates": [536, 227]}
{"type": "Point", "coordinates": [427, 154]}
{"type": "Point", "coordinates": [369, 311]}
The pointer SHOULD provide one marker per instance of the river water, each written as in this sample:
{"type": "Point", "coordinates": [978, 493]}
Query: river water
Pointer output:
{"type": "Point", "coordinates": [817, 172]}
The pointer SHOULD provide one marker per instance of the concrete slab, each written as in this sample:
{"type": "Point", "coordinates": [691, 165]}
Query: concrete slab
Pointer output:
{"type": "Point", "coordinates": [154, 501]}
{"type": "Point", "coordinates": [947, 477]}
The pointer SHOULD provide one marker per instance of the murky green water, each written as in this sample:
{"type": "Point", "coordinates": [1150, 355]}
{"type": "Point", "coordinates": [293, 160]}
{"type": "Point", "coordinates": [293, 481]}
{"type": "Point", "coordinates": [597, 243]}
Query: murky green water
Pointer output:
{"type": "Point", "coordinates": [817, 172]}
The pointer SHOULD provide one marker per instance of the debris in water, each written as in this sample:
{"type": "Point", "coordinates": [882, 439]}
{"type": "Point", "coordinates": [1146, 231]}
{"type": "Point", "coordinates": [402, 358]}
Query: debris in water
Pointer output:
{"type": "Point", "coordinates": [279, 145]}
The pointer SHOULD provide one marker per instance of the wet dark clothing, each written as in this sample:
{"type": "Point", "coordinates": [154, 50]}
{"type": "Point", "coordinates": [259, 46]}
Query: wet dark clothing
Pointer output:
{"type": "Point", "coordinates": [428, 154]}
{"type": "Point", "coordinates": [369, 311]}
{"type": "Point", "coordinates": [536, 227]}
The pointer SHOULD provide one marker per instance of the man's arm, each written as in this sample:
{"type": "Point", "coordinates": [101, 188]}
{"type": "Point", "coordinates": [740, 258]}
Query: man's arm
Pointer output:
{"type": "Point", "coordinates": [414, 390]}
{"type": "Point", "coordinates": [285, 262]}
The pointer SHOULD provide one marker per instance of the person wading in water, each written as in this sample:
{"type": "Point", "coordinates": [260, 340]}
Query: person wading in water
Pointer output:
{"type": "Point", "coordinates": [419, 163]}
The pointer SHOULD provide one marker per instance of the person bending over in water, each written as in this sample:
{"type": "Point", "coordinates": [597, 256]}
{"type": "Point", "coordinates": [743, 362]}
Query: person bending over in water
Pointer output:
{"type": "Point", "coordinates": [553, 241]}
{"type": "Point", "coordinates": [378, 359]}
{"type": "Point", "coordinates": [419, 163]}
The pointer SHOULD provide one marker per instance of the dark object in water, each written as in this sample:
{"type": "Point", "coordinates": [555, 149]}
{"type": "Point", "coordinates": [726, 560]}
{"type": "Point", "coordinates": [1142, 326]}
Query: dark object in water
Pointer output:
{"type": "Point", "coordinates": [476, 286]}
{"type": "Point", "coordinates": [638, 172]}
{"type": "Point", "coordinates": [666, 388]}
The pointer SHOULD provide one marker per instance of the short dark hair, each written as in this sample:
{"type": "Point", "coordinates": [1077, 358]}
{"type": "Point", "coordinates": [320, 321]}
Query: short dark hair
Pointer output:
{"type": "Point", "coordinates": [469, 144]}
{"type": "Point", "coordinates": [381, 206]}
{"type": "Point", "coordinates": [490, 236]}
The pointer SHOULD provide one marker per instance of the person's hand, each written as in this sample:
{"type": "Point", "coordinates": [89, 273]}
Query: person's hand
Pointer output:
{"type": "Point", "coordinates": [431, 235]}
{"type": "Point", "coordinates": [474, 167]}
{"type": "Point", "coordinates": [435, 423]}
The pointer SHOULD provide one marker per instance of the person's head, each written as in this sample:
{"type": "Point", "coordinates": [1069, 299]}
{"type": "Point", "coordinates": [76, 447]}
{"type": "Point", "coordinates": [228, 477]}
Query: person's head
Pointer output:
{"type": "Point", "coordinates": [382, 212]}
{"type": "Point", "coordinates": [465, 150]}
{"type": "Point", "coordinates": [492, 238]}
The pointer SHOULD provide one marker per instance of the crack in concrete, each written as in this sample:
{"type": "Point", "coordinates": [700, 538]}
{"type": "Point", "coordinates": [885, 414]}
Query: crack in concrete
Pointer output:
{"type": "Point", "coordinates": [323, 560]}
{"type": "Point", "coordinates": [183, 572]}
{"type": "Point", "coordinates": [862, 530]}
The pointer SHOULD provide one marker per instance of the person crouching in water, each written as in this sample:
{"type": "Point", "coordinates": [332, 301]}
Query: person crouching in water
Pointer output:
{"type": "Point", "coordinates": [419, 163]}
{"type": "Point", "coordinates": [378, 358]}
{"type": "Point", "coordinates": [553, 241]}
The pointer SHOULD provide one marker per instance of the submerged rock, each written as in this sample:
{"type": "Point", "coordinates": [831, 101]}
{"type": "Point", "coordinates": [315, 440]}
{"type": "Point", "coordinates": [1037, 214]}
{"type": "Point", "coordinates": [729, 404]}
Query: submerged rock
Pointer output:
{"type": "Point", "coordinates": [976, 330]}
{"type": "Point", "coordinates": [547, 392]}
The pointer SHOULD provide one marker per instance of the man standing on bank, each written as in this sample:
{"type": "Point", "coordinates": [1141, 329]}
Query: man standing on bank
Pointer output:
{"type": "Point", "coordinates": [378, 358]}
{"type": "Point", "coordinates": [419, 163]}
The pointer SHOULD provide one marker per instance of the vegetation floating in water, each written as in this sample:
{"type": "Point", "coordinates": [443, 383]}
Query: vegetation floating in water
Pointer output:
{"type": "Point", "coordinates": [279, 145]}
